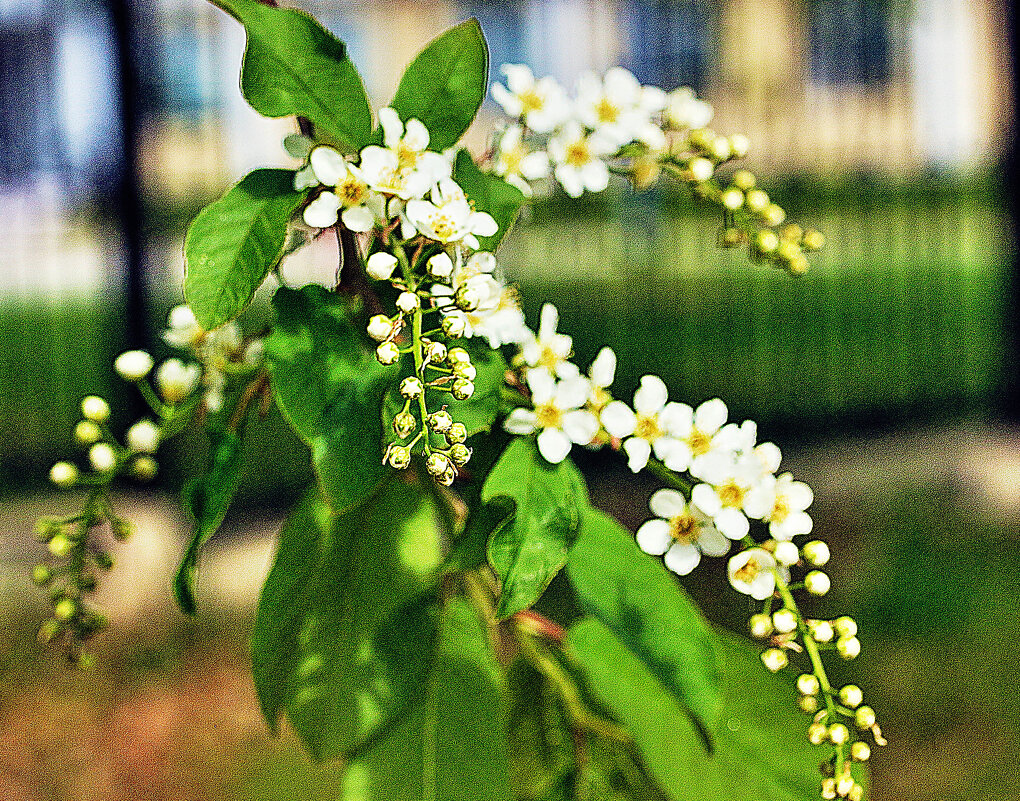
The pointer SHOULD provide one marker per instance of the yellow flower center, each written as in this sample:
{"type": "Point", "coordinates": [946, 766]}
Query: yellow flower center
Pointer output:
{"type": "Point", "coordinates": [647, 427]}
{"type": "Point", "coordinates": [731, 494]}
{"type": "Point", "coordinates": [407, 158]}
{"type": "Point", "coordinates": [578, 153]}
{"type": "Point", "coordinates": [548, 415]}
{"type": "Point", "coordinates": [531, 101]}
{"type": "Point", "coordinates": [549, 358]}
{"type": "Point", "coordinates": [443, 226]}
{"type": "Point", "coordinates": [780, 510]}
{"type": "Point", "coordinates": [683, 528]}
{"type": "Point", "coordinates": [352, 191]}
{"type": "Point", "coordinates": [510, 160]}
{"type": "Point", "coordinates": [749, 572]}
{"type": "Point", "coordinates": [700, 442]}
{"type": "Point", "coordinates": [606, 111]}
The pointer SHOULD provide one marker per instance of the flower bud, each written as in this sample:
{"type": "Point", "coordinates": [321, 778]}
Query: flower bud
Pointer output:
{"type": "Point", "coordinates": [41, 575]}
{"type": "Point", "coordinates": [104, 560]}
{"type": "Point", "coordinates": [457, 433]}
{"type": "Point", "coordinates": [454, 325]}
{"type": "Point", "coordinates": [465, 370]}
{"type": "Point", "coordinates": [774, 659]}
{"type": "Point", "coordinates": [411, 387]}
{"type": "Point", "coordinates": [440, 267]}
{"type": "Point", "coordinates": [699, 169]}
{"type": "Point", "coordinates": [448, 476]}
{"type": "Point", "coordinates": [144, 468]}
{"type": "Point", "coordinates": [732, 198]}
{"type": "Point", "coordinates": [380, 327]}
{"type": "Point", "coordinates": [437, 463]}
{"type": "Point", "coordinates": [103, 457]}
{"type": "Point", "coordinates": [784, 620]}
{"type": "Point", "coordinates": [816, 553]}
{"type": "Point", "coordinates": [760, 625]}
{"type": "Point", "coordinates": [95, 409]}
{"type": "Point", "coordinates": [64, 609]}
{"type": "Point", "coordinates": [387, 353]}
{"type": "Point", "coordinates": [828, 789]}
{"type": "Point", "coordinates": [87, 432]}
{"type": "Point", "coordinates": [817, 583]}
{"type": "Point", "coordinates": [821, 631]}
{"type": "Point", "coordinates": [440, 421]}
{"type": "Point", "coordinates": [807, 684]}
{"type": "Point", "coordinates": [860, 752]}
{"type": "Point", "coordinates": [851, 696]}
{"type": "Point", "coordinates": [460, 454]}
{"type": "Point", "coordinates": [729, 237]}
{"type": "Point", "coordinates": [808, 703]}
{"type": "Point", "coordinates": [864, 717]}
{"type": "Point", "coordinates": [848, 647]}
{"type": "Point", "coordinates": [143, 437]}
{"type": "Point", "coordinates": [756, 200]}
{"type": "Point", "coordinates": [838, 734]}
{"type": "Point", "coordinates": [176, 380]}
{"type": "Point", "coordinates": [133, 365]}
{"type": "Point", "coordinates": [404, 424]}
{"type": "Point", "coordinates": [720, 149]}
{"type": "Point", "coordinates": [458, 355]}
{"type": "Point", "coordinates": [787, 553]}
{"type": "Point", "coordinates": [813, 240]}
{"type": "Point", "coordinates": [845, 626]}
{"type": "Point", "coordinates": [472, 293]}
{"type": "Point", "coordinates": [773, 214]}
{"type": "Point", "coordinates": [121, 529]}
{"type": "Point", "coordinates": [765, 242]}
{"type": "Point", "coordinates": [381, 265]}
{"type": "Point", "coordinates": [254, 353]}
{"type": "Point", "coordinates": [817, 733]}
{"type": "Point", "coordinates": [856, 793]}
{"type": "Point", "coordinates": [398, 456]}
{"type": "Point", "coordinates": [64, 474]}
{"type": "Point", "coordinates": [462, 389]}
{"type": "Point", "coordinates": [408, 302]}
{"type": "Point", "coordinates": [743, 179]}
{"type": "Point", "coordinates": [739, 145]}
{"type": "Point", "coordinates": [435, 352]}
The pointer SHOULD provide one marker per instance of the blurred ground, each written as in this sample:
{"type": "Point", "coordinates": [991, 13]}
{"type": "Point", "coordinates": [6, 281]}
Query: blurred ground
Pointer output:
{"type": "Point", "coordinates": [923, 523]}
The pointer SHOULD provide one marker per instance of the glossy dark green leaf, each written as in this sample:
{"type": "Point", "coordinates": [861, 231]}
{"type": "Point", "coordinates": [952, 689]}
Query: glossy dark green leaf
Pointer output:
{"type": "Point", "coordinates": [234, 242]}
{"type": "Point", "coordinates": [329, 387]}
{"type": "Point", "coordinates": [761, 752]}
{"type": "Point", "coordinates": [452, 745]}
{"type": "Point", "coordinates": [445, 84]}
{"type": "Point", "coordinates": [489, 193]}
{"type": "Point", "coordinates": [530, 551]}
{"type": "Point", "coordinates": [207, 499]}
{"type": "Point", "coordinates": [294, 66]}
{"type": "Point", "coordinates": [639, 600]}
{"type": "Point", "coordinates": [343, 636]}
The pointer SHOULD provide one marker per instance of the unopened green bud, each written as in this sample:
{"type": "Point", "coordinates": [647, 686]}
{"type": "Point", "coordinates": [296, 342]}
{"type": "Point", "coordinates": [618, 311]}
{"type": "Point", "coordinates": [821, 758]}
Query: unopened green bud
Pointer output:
{"type": "Point", "coordinates": [838, 734]}
{"type": "Point", "coordinates": [808, 703]}
{"type": "Point", "coordinates": [760, 625]}
{"type": "Point", "coordinates": [773, 214]}
{"type": "Point", "coordinates": [743, 179]}
{"type": "Point", "coordinates": [387, 352]}
{"type": "Point", "coordinates": [144, 468]}
{"type": "Point", "coordinates": [60, 546]}
{"type": "Point", "coordinates": [774, 659]}
{"type": "Point", "coordinates": [816, 553]}
{"type": "Point", "coordinates": [404, 424]}
{"type": "Point", "coordinates": [817, 583]}
{"type": "Point", "coordinates": [398, 456]}
{"type": "Point", "coordinates": [48, 630]}
{"type": "Point", "coordinates": [457, 433]}
{"type": "Point", "coordinates": [104, 560]}
{"type": "Point", "coordinates": [458, 355]}
{"type": "Point", "coordinates": [851, 696]}
{"type": "Point", "coordinates": [87, 432]}
{"type": "Point", "coordinates": [462, 389]}
{"type": "Point", "coordinates": [460, 454]}
{"type": "Point", "coordinates": [766, 242]}
{"type": "Point", "coordinates": [864, 717]}
{"type": "Point", "coordinates": [807, 684]}
{"type": "Point", "coordinates": [65, 609]}
{"type": "Point", "coordinates": [41, 575]}
{"type": "Point", "coordinates": [845, 626]}
{"type": "Point", "coordinates": [465, 370]}
{"type": "Point", "coordinates": [437, 463]}
{"type": "Point", "coordinates": [440, 421]}
{"type": "Point", "coordinates": [756, 200]}
{"type": "Point", "coordinates": [411, 387]}
{"type": "Point", "coordinates": [813, 240]}
{"type": "Point", "coordinates": [454, 325]}
{"type": "Point", "coordinates": [121, 529]}
{"type": "Point", "coordinates": [817, 733]}
{"type": "Point", "coordinates": [435, 352]}
{"type": "Point", "coordinates": [64, 474]}
{"type": "Point", "coordinates": [732, 198]}
{"type": "Point", "coordinates": [848, 647]}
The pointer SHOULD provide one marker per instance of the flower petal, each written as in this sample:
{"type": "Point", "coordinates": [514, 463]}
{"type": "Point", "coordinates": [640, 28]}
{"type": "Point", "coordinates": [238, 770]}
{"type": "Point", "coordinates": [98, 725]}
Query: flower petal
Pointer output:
{"type": "Point", "coordinates": [618, 419]}
{"type": "Point", "coordinates": [358, 219]}
{"type": "Point", "coordinates": [651, 396]}
{"type": "Point", "coordinates": [667, 503]}
{"type": "Point", "coordinates": [710, 416]}
{"type": "Point", "coordinates": [581, 426]}
{"type": "Point", "coordinates": [732, 523]}
{"type": "Point", "coordinates": [328, 165]}
{"type": "Point", "coordinates": [638, 450]}
{"type": "Point", "coordinates": [682, 558]}
{"type": "Point", "coordinates": [521, 421]}
{"type": "Point", "coordinates": [321, 212]}
{"type": "Point", "coordinates": [712, 542]}
{"type": "Point", "coordinates": [653, 537]}
{"type": "Point", "coordinates": [554, 445]}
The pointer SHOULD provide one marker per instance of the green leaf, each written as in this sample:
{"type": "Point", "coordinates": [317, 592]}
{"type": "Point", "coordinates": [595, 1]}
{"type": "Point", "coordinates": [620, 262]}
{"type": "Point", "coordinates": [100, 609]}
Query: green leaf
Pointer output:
{"type": "Point", "coordinates": [761, 753]}
{"type": "Point", "coordinates": [452, 746]}
{"type": "Point", "coordinates": [342, 638]}
{"type": "Point", "coordinates": [445, 84]}
{"type": "Point", "coordinates": [491, 194]}
{"type": "Point", "coordinates": [207, 499]}
{"type": "Point", "coordinates": [292, 65]}
{"type": "Point", "coordinates": [549, 501]}
{"type": "Point", "coordinates": [234, 242]}
{"type": "Point", "coordinates": [641, 603]}
{"type": "Point", "coordinates": [330, 389]}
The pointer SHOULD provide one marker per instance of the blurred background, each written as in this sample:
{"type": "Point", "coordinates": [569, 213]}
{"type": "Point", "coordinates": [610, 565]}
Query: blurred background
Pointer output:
{"type": "Point", "coordinates": [887, 374]}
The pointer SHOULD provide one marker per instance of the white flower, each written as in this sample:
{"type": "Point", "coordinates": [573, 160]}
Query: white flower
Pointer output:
{"type": "Point", "coordinates": [518, 165]}
{"type": "Point", "coordinates": [700, 431]}
{"type": "Point", "coordinates": [724, 497]}
{"type": "Point", "coordinates": [557, 413]}
{"type": "Point", "coordinates": [133, 365]}
{"type": "Point", "coordinates": [680, 532]}
{"type": "Point", "coordinates": [541, 105]}
{"type": "Point", "coordinates": [578, 158]}
{"type": "Point", "coordinates": [619, 108]}
{"type": "Point", "coordinates": [550, 349]}
{"type": "Point", "coordinates": [362, 208]}
{"type": "Point", "coordinates": [403, 167]}
{"type": "Point", "coordinates": [781, 503]}
{"type": "Point", "coordinates": [684, 110]}
{"type": "Point", "coordinates": [176, 380]}
{"type": "Point", "coordinates": [143, 437]}
{"type": "Point", "coordinates": [752, 573]}
{"type": "Point", "coordinates": [650, 427]}
{"type": "Point", "coordinates": [449, 217]}
{"type": "Point", "coordinates": [184, 330]}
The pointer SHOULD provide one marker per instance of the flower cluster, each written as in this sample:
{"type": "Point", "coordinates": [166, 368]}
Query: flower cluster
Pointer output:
{"type": "Point", "coordinates": [613, 124]}
{"type": "Point", "coordinates": [724, 492]}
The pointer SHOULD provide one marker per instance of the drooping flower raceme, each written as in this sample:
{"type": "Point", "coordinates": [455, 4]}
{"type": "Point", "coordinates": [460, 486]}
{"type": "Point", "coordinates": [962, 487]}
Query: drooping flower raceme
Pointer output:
{"type": "Point", "coordinates": [557, 415]}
